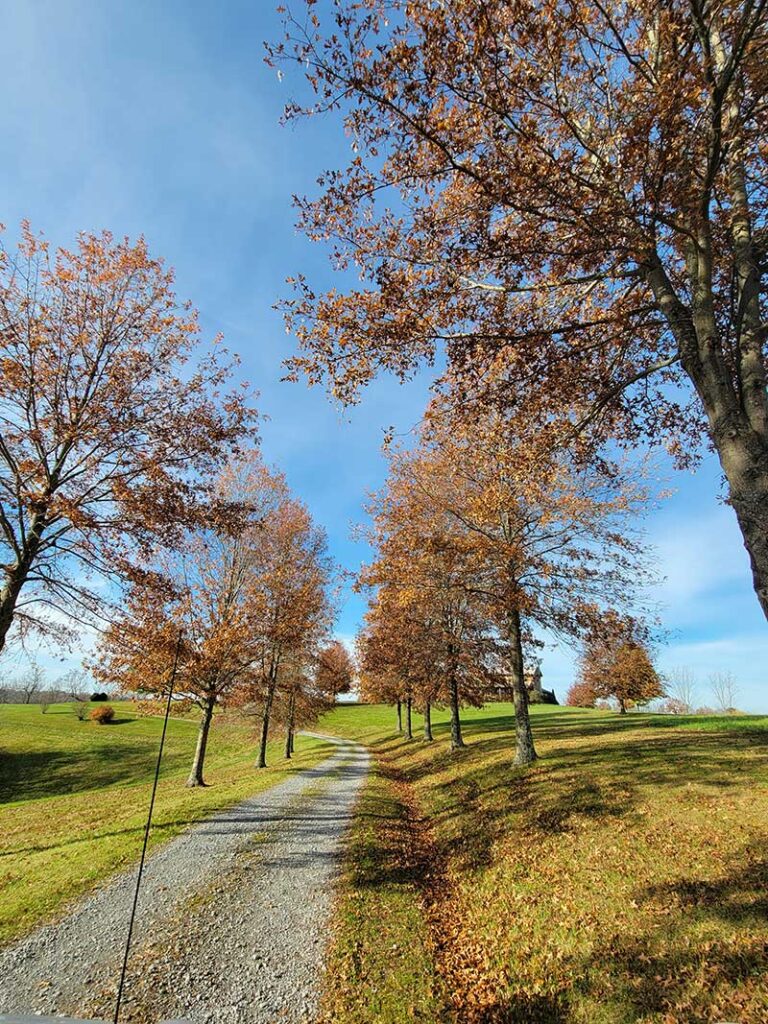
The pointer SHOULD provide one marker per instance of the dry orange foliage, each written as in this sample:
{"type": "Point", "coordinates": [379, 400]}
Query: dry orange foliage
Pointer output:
{"type": "Point", "coordinates": [482, 539]}
{"type": "Point", "coordinates": [617, 663]}
{"type": "Point", "coordinates": [249, 594]}
{"type": "Point", "coordinates": [112, 423]}
{"type": "Point", "coordinates": [563, 204]}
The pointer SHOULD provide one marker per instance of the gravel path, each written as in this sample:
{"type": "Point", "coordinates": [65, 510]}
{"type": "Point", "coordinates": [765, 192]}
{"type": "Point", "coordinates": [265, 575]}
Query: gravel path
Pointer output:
{"type": "Point", "coordinates": [232, 921]}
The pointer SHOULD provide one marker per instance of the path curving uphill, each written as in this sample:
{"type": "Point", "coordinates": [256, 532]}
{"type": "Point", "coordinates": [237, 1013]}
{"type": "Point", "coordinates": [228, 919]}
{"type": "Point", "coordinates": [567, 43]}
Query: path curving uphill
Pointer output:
{"type": "Point", "coordinates": [232, 921]}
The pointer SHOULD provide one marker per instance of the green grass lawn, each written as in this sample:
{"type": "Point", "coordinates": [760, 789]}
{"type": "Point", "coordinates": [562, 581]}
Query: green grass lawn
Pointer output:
{"type": "Point", "coordinates": [622, 878]}
{"type": "Point", "coordinates": [74, 796]}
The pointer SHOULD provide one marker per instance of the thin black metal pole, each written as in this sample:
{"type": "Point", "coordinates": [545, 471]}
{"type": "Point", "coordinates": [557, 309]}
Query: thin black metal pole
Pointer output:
{"type": "Point", "coordinates": [146, 833]}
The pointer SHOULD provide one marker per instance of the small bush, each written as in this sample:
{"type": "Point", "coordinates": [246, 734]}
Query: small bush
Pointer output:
{"type": "Point", "coordinates": [81, 709]}
{"type": "Point", "coordinates": [103, 716]}
{"type": "Point", "coordinates": [99, 696]}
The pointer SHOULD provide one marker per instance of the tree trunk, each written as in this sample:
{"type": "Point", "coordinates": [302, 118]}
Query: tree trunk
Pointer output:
{"type": "Point", "coordinates": [525, 751]}
{"type": "Point", "coordinates": [428, 721]}
{"type": "Point", "coordinates": [262, 761]}
{"type": "Point", "coordinates": [8, 599]}
{"type": "Point", "coordinates": [289, 730]}
{"type": "Point", "coordinates": [744, 459]}
{"type": "Point", "coordinates": [622, 708]}
{"type": "Point", "coordinates": [743, 453]}
{"type": "Point", "coordinates": [737, 414]}
{"type": "Point", "coordinates": [743, 449]}
{"type": "Point", "coordinates": [17, 577]}
{"type": "Point", "coordinates": [399, 717]}
{"type": "Point", "coordinates": [196, 772]}
{"type": "Point", "coordinates": [408, 719]}
{"type": "Point", "coordinates": [457, 740]}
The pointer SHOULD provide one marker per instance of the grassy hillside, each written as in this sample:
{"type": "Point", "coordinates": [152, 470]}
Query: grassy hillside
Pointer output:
{"type": "Point", "coordinates": [622, 878]}
{"type": "Point", "coordinates": [74, 797]}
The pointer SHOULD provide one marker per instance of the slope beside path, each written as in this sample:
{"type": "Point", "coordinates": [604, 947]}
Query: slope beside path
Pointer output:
{"type": "Point", "coordinates": [232, 920]}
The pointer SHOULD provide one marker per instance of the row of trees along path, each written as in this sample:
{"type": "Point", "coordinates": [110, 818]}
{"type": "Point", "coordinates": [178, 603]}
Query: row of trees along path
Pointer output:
{"type": "Point", "coordinates": [252, 598]}
{"type": "Point", "coordinates": [133, 497]}
{"type": "Point", "coordinates": [479, 541]}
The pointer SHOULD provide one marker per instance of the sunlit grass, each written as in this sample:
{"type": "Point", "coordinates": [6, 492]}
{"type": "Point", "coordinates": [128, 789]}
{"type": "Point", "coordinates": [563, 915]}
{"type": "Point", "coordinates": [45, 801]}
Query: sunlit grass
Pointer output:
{"type": "Point", "coordinates": [622, 878]}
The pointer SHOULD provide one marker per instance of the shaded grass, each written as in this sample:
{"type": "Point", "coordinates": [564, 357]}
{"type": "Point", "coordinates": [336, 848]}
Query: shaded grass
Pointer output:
{"type": "Point", "coordinates": [621, 878]}
{"type": "Point", "coordinates": [74, 797]}
{"type": "Point", "coordinates": [53, 754]}
{"type": "Point", "coordinates": [380, 965]}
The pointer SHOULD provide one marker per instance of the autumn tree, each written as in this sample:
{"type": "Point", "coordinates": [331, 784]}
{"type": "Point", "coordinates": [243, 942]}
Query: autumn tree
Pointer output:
{"type": "Point", "coordinates": [293, 687]}
{"type": "Point", "coordinates": [425, 616]}
{"type": "Point", "coordinates": [294, 600]}
{"type": "Point", "coordinates": [392, 648]}
{"type": "Point", "coordinates": [547, 545]}
{"type": "Point", "coordinates": [418, 659]}
{"type": "Point", "coordinates": [335, 669]}
{"type": "Point", "coordinates": [112, 422]}
{"type": "Point", "coordinates": [312, 686]}
{"type": "Point", "coordinates": [377, 679]}
{"type": "Point", "coordinates": [565, 203]}
{"type": "Point", "coordinates": [580, 695]}
{"type": "Point", "coordinates": [386, 667]}
{"type": "Point", "coordinates": [617, 664]}
{"type": "Point", "coordinates": [400, 656]}
{"type": "Point", "coordinates": [200, 600]}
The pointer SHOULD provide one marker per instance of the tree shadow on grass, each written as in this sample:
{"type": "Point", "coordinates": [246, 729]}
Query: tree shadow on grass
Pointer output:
{"type": "Point", "coordinates": [541, 1009]}
{"type": "Point", "coordinates": [741, 896]}
{"type": "Point", "coordinates": [652, 975]}
{"type": "Point", "coordinates": [671, 975]}
{"type": "Point", "coordinates": [572, 783]}
{"type": "Point", "coordinates": [30, 775]}
{"type": "Point", "coordinates": [573, 724]}
{"type": "Point", "coordinates": [669, 972]}
{"type": "Point", "coordinates": [176, 824]}
{"type": "Point", "coordinates": [380, 849]}
{"type": "Point", "coordinates": [594, 775]}
{"type": "Point", "coordinates": [380, 742]}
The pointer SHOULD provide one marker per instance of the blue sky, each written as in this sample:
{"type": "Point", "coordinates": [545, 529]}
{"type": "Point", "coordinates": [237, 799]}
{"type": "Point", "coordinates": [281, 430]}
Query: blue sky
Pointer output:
{"type": "Point", "coordinates": [161, 119]}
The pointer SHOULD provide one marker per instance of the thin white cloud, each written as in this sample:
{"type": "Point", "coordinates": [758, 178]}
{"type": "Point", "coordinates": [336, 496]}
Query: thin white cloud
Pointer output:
{"type": "Point", "coordinates": [698, 554]}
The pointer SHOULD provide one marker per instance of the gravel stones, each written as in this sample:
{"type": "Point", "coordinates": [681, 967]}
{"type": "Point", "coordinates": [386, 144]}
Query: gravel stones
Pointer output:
{"type": "Point", "coordinates": [232, 921]}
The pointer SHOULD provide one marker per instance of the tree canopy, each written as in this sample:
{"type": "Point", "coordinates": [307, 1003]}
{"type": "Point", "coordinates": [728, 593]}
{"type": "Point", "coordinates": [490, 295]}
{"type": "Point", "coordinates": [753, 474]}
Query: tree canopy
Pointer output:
{"type": "Point", "coordinates": [113, 422]}
{"type": "Point", "coordinates": [564, 204]}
